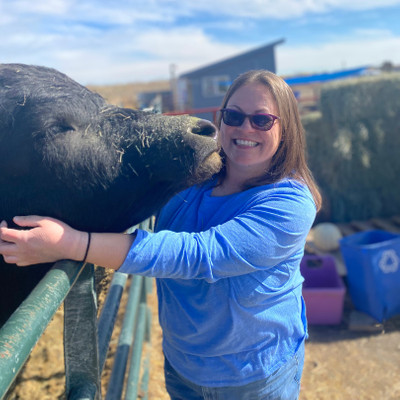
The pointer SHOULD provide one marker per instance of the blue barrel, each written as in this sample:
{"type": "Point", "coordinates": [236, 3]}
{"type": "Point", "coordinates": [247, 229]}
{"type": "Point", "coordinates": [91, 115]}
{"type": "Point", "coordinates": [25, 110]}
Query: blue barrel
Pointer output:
{"type": "Point", "coordinates": [372, 259]}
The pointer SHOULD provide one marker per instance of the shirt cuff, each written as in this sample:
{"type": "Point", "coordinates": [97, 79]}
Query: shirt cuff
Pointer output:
{"type": "Point", "coordinates": [128, 266]}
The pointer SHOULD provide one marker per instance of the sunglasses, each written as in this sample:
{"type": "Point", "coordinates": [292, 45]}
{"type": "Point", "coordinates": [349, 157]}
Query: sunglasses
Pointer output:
{"type": "Point", "coordinates": [261, 122]}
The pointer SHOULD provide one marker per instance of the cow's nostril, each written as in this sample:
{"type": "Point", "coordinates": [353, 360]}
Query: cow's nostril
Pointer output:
{"type": "Point", "coordinates": [204, 128]}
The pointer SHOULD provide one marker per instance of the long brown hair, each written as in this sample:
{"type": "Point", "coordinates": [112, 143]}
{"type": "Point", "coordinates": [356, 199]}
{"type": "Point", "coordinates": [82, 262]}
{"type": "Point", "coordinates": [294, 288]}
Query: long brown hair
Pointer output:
{"type": "Point", "coordinates": [290, 159]}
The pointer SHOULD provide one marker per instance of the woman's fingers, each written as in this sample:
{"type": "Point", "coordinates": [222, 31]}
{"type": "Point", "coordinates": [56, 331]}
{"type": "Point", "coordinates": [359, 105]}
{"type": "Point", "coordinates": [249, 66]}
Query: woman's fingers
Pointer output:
{"type": "Point", "coordinates": [48, 240]}
{"type": "Point", "coordinates": [13, 235]}
{"type": "Point", "coordinates": [10, 235]}
{"type": "Point", "coordinates": [3, 229]}
{"type": "Point", "coordinates": [11, 259]}
{"type": "Point", "coordinates": [29, 221]}
{"type": "Point", "coordinates": [31, 246]}
{"type": "Point", "coordinates": [7, 246]}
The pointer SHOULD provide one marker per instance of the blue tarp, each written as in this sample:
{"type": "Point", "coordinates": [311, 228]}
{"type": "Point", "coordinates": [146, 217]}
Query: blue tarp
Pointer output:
{"type": "Point", "coordinates": [301, 80]}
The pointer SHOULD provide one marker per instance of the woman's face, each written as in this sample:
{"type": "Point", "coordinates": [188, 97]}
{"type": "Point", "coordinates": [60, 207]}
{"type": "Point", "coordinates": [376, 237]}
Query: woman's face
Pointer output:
{"type": "Point", "coordinates": [248, 150]}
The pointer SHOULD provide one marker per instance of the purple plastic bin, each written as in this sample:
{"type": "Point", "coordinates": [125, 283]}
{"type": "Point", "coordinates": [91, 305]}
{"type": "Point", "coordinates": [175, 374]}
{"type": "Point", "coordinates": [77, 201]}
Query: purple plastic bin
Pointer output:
{"type": "Point", "coordinates": [323, 290]}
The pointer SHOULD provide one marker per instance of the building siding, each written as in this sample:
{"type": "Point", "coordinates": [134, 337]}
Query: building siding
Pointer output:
{"type": "Point", "coordinates": [202, 88]}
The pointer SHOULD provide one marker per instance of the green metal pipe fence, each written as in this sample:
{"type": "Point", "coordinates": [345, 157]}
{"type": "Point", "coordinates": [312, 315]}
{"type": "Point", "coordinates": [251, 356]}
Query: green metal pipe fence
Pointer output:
{"type": "Point", "coordinates": [86, 338]}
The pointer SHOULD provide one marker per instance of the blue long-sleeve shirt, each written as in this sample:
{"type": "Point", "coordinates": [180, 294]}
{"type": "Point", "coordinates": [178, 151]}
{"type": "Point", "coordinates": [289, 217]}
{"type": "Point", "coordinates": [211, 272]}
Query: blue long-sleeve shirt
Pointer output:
{"type": "Point", "coordinates": [230, 302]}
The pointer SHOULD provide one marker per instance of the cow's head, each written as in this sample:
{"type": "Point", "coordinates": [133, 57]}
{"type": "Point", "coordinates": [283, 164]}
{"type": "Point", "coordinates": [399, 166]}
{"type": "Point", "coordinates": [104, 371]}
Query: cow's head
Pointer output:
{"type": "Point", "coordinates": [66, 153]}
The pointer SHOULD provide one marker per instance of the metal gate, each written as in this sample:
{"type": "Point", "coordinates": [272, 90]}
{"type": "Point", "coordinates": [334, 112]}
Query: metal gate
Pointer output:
{"type": "Point", "coordinates": [86, 338]}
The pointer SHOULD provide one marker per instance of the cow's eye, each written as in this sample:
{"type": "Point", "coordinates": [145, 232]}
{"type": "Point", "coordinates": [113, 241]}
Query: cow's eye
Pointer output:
{"type": "Point", "coordinates": [59, 129]}
{"type": "Point", "coordinates": [66, 128]}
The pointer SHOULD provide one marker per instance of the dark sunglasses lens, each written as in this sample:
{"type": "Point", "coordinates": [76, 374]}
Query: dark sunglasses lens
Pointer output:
{"type": "Point", "coordinates": [262, 121]}
{"type": "Point", "coordinates": [233, 118]}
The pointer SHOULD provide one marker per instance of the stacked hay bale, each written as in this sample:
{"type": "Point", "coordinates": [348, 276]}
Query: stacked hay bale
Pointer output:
{"type": "Point", "coordinates": [354, 148]}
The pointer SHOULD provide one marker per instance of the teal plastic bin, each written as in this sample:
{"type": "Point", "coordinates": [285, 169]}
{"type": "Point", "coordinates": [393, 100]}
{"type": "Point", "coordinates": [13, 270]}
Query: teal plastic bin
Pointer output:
{"type": "Point", "coordinates": [372, 260]}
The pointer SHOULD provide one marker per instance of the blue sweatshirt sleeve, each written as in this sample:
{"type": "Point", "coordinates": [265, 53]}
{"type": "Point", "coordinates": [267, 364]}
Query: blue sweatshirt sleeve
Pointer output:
{"type": "Point", "coordinates": [271, 229]}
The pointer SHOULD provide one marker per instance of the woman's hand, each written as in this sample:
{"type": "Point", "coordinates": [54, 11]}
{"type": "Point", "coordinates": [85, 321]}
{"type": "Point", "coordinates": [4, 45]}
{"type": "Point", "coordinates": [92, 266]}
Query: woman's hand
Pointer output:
{"type": "Point", "coordinates": [48, 240]}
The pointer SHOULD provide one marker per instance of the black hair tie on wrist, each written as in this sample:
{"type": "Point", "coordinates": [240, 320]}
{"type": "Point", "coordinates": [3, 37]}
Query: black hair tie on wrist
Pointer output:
{"type": "Point", "coordinates": [87, 247]}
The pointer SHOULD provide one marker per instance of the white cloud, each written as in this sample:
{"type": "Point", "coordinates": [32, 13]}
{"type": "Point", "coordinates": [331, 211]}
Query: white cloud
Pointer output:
{"type": "Point", "coordinates": [49, 7]}
{"type": "Point", "coordinates": [98, 42]}
{"type": "Point", "coordinates": [140, 56]}
{"type": "Point", "coordinates": [350, 53]}
{"type": "Point", "coordinates": [127, 12]}
{"type": "Point", "coordinates": [279, 9]}
{"type": "Point", "coordinates": [184, 45]}
{"type": "Point", "coordinates": [373, 33]}
{"type": "Point", "coordinates": [186, 48]}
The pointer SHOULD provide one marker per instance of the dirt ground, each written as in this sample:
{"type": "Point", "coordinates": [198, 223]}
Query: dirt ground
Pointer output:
{"type": "Point", "coordinates": [343, 364]}
{"type": "Point", "coordinates": [340, 364]}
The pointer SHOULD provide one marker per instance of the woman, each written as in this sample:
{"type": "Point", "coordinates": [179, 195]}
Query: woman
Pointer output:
{"type": "Point", "coordinates": [231, 309]}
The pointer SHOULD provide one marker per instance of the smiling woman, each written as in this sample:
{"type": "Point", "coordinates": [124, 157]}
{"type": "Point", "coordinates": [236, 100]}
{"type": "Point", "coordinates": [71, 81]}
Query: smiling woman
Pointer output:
{"type": "Point", "coordinates": [265, 153]}
{"type": "Point", "coordinates": [249, 147]}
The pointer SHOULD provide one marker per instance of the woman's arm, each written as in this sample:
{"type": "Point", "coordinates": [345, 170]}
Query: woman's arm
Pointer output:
{"type": "Point", "coordinates": [268, 231]}
{"type": "Point", "coordinates": [50, 240]}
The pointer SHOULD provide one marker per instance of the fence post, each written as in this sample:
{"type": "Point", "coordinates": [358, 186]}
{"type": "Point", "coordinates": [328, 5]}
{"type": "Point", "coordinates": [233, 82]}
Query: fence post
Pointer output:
{"type": "Point", "coordinates": [133, 376]}
{"type": "Point", "coordinates": [80, 339]}
{"type": "Point", "coordinates": [126, 337]}
{"type": "Point", "coordinates": [23, 329]}
{"type": "Point", "coordinates": [109, 313]}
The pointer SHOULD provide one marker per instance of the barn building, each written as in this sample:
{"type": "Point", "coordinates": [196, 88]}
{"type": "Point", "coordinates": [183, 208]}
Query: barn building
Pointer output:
{"type": "Point", "coordinates": [203, 89]}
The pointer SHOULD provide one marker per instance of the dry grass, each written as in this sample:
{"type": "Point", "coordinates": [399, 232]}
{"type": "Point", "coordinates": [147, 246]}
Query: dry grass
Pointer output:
{"type": "Point", "coordinates": [126, 95]}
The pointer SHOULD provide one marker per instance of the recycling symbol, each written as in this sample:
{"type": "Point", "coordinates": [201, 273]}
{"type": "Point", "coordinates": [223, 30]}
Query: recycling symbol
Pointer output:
{"type": "Point", "coordinates": [389, 262]}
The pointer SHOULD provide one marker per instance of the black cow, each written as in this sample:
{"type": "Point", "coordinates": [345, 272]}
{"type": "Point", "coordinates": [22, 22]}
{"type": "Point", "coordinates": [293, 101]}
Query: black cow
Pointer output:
{"type": "Point", "coordinates": [66, 153]}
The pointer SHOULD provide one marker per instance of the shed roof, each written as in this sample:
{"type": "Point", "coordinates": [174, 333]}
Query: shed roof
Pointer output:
{"type": "Point", "coordinates": [252, 53]}
{"type": "Point", "coordinates": [302, 80]}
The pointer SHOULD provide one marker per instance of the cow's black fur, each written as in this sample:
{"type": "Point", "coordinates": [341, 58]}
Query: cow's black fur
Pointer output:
{"type": "Point", "coordinates": [66, 153]}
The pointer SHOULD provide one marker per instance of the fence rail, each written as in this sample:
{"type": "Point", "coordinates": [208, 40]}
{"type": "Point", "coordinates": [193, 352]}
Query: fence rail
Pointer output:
{"type": "Point", "coordinates": [86, 339]}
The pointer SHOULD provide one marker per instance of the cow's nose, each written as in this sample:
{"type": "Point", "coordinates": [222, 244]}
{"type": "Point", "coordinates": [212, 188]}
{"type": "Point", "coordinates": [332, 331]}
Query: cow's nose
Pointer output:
{"type": "Point", "coordinates": [204, 128]}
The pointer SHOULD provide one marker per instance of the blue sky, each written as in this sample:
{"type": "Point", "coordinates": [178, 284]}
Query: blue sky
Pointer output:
{"type": "Point", "coordinates": [109, 42]}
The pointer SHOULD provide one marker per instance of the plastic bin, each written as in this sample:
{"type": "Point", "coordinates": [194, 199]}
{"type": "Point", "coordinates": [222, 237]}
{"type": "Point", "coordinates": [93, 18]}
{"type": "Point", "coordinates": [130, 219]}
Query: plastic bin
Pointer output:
{"type": "Point", "coordinates": [372, 260]}
{"type": "Point", "coordinates": [323, 290]}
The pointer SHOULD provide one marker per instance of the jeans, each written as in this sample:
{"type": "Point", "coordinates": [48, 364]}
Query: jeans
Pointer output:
{"type": "Point", "coordinates": [283, 384]}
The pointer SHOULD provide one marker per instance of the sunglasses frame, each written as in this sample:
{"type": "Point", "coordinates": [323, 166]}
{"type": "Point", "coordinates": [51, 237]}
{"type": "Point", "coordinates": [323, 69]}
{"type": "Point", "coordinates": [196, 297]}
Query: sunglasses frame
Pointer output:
{"type": "Point", "coordinates": [250, 117]}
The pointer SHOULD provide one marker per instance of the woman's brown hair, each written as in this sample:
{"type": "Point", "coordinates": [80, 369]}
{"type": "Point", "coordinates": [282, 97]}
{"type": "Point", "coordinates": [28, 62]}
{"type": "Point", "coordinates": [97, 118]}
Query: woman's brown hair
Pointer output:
{"type": "Point", "coordinates": [290, 159]}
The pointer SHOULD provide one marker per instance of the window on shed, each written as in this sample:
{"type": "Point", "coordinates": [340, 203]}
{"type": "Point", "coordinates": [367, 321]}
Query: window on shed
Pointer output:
{"type": "Point", "coordinates": [214, 86]}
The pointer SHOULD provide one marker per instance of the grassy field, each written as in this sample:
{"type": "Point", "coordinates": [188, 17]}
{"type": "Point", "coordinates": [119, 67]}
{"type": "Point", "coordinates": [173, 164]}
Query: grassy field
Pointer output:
{"type": "Point", "coordinates": [126, 95]}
